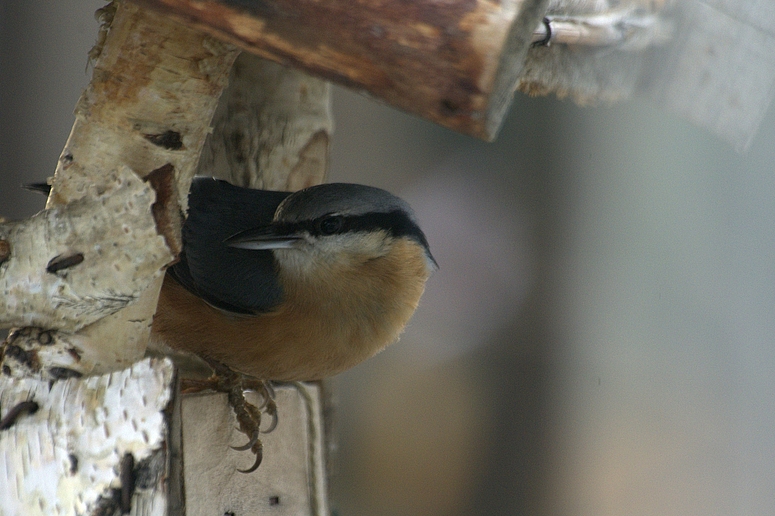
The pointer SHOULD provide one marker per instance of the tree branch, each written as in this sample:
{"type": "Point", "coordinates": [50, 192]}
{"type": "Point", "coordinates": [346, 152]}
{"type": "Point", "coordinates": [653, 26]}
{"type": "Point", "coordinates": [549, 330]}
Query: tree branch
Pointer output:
{"type": "Point", "coordinates": [92, 262]}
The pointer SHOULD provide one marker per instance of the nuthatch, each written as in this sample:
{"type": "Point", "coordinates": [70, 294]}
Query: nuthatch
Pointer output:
{"type": "Point", "coordinates": [292, 286]}
{"type": "Point", "coordinates": [288, 286]}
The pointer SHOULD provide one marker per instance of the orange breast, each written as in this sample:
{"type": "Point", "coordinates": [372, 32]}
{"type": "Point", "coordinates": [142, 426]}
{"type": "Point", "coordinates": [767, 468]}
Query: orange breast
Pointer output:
{"type": "Point", "coordinates": [325, 325]}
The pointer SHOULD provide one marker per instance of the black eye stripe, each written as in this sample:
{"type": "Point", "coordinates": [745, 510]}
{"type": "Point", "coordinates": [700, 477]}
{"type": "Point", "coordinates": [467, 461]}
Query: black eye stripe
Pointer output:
{"type": "Point", "coordinates": [330, 225]}
{"type": "Point", "coordinates": [395, 223]}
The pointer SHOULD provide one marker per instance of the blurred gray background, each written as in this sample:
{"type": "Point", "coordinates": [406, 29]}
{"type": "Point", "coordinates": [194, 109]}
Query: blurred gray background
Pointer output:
{"type": "Point", "coordinates": [599, 339]}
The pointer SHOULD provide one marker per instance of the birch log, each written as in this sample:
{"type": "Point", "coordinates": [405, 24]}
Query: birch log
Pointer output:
{"type": "Point", "coordinates": [75, 263]}
{"type": "Point", "coordinates": [69, 451]}
{"type": "Point", "coordinates": [86, 271]}
{"type": "Point", "coordinates": [272, 128]}
{"type": "Point", "coordinates": [92, 262]}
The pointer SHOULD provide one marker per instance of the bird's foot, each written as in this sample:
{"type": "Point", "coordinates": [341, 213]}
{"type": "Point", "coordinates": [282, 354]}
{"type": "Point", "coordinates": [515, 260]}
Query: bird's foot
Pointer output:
{"type": "Point", "coordinates": [248, 415]}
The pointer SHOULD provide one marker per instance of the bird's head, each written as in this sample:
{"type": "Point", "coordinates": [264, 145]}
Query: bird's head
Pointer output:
{"type": "Point", "coordinates": [335, 224]}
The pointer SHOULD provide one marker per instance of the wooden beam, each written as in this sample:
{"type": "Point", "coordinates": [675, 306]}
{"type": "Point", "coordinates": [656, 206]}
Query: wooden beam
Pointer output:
{"type": "Point", "coordinates": [455, 62]}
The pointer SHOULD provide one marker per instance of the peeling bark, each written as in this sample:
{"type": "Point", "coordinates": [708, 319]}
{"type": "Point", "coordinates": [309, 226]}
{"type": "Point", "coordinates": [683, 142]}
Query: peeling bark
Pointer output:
{"type": "Point", "coordinates": [73, 264]}
{"type": "Point", "coordinates": [64, 458]}
{"type": "Point", "coordinates": [90, 266]}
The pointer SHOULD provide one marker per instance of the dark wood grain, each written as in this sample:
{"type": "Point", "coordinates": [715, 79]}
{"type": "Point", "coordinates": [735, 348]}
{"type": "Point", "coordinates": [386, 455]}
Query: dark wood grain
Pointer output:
{"type": "Point", "coordinates": [454, 62]}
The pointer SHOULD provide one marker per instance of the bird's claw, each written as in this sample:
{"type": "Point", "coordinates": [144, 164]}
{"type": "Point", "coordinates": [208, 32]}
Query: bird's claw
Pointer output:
{"type": "Point", "coordinates": [249, 419]}
{"type": "Point", "coordinates": [271, 409]}
{"type": "Point", "coordinates": [268, 405]}
{"type": "Point", "coordinates": [248, 415]}
{"type": "Point", "coordinates": [253, 440]}
{"type": "Point", "coordinates": [258, 450]}
{"type": "Point", "coordinates": [264, 389]}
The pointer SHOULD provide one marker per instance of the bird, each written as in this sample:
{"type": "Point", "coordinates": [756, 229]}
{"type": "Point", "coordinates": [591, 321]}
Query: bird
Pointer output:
{"type": "Point", "coordinates": [292, 286]}
{"type": "Point", "coordinates": [287, 286]}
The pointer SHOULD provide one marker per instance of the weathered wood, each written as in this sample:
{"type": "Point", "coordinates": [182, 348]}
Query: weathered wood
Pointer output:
{"type": "Point", "coordinates": [454, 62]}
{"type": "Point", "coordinates": [292, 476]}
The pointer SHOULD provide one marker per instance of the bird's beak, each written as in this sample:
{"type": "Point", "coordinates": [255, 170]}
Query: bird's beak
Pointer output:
{"type": "Point", "coordinates": [261, 239]}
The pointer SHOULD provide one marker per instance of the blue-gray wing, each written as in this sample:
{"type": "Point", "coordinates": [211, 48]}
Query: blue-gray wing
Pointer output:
{"type": "Point", "coordinates": [237, 280]}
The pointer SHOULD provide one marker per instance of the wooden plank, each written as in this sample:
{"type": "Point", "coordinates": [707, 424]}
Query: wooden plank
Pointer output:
{"type": "Point", "coordinates": [291, 479]}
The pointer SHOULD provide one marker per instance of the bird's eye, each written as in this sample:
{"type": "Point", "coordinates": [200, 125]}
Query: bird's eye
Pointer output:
{"type": "Point", "coordinates": [331, 225]}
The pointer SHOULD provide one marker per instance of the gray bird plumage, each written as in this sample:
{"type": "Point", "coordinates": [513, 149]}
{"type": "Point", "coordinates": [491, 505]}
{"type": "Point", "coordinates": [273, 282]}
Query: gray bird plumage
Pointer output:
{"type": "Point", "coordinates": [231, 232]}
{"type": "Point", "coordinates": [339, 198]}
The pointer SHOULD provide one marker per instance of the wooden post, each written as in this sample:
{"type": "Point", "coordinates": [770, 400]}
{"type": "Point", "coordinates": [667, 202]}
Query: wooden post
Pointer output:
{"type": "Point", "coordinates": [272, 130]}
{"type": "Point", "coordinates": [292, 477]}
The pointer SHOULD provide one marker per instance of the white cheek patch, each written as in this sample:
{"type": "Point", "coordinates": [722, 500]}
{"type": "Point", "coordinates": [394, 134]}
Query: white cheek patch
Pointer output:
{"type": "Point", "coordinates": [371, 244]}
{"type": "Point", "coordinates": [325, 251]}
{"type": "Point", "coordinates": [263, 246]}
